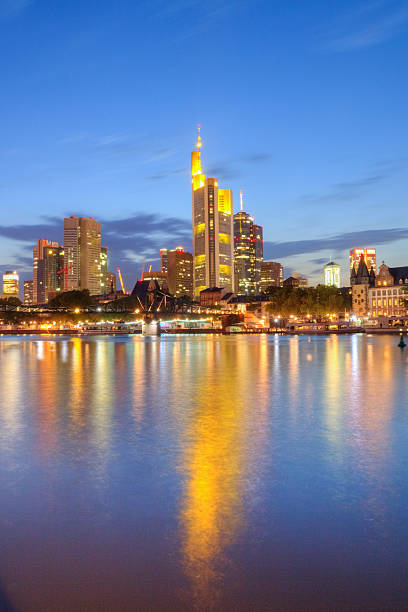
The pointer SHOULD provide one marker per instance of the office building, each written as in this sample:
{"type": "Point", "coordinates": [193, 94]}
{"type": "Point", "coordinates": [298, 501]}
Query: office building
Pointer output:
{"type": "Point", "coordinates": [11, 281]}
{"type": "Point", "coordinates": [332, 275]}
{"type": "Point", "coordinates": [248, 253]}
{"type": "Point", "coordinates": [50, 273]}
{"type": "Point", "coordinates": [163, 260]}
{"type": "Point", "coordinates": [213, 248]}
{"type": "Point", "coordinates": [82, 242]}
{"type": "Point", "coordinates": [271, 275]}
{"type": "Point", "coordinates": [104, 270]}
{"type": "Point", "coordinates": [180, 273]}
{"type": "Point", "coordinates": [370, 258]}
{"type": "Point", "coordinates": [38, 253]}
{"type": "Point", "coordinates": [28, 295]}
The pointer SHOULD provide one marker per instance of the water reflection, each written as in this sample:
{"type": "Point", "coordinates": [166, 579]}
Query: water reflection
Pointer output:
{"type": "Point", "coordinates": [226, 462]}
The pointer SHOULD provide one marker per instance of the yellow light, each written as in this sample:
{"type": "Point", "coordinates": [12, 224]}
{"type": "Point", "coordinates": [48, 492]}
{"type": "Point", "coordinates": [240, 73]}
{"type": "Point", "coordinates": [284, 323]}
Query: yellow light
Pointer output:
{"type": "Point", "coordinates": [77, 310]}
{"type": "Point", "coordinates": [137, 310]}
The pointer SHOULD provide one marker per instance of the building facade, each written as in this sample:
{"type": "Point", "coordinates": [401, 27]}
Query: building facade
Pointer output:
{"type": "Point", "coordinates": [163, 260]}
{"type": "Point", "coordinates": [180, 273]}
{"type": "Point", "coordinates": [271, 275]}
{"type": "Point", "coordinates": [332, 275]}
{"type": "Point", "coordinates": [248, 254]}
{"type": "Point", "coordinates": [50, 273]}
{"type": "Point", "coordinates": [38, 253]}
{"type": "Point", "coordinates": [28, 292]}
{"type": "Point", "coordinates": [104, 271]}
{"type": "Point", "coordinates": [11, 284]}
{"type": "Point", "coordinates": [82, 243]}
{"type": "Point", "coordinates": [213, 248]}
{"type": "Point", "coordinates": [387, 298]}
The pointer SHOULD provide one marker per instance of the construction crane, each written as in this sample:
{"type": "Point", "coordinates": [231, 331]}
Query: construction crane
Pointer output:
{"type": "Point", "coordinates": [121, 281]}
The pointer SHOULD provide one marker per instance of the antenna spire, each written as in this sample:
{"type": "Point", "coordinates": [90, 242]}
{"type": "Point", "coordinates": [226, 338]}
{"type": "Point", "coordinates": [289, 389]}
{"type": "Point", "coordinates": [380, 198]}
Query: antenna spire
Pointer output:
{"type": "Point", "coordinates": [199, 137]}
{"type": "Point", "coordinates": [241, 200]}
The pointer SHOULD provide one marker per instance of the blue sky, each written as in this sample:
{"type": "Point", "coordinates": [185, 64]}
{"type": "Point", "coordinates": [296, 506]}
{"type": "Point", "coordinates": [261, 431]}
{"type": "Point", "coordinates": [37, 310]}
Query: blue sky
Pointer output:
{"type": "Point", "coordinates": [303, 105]}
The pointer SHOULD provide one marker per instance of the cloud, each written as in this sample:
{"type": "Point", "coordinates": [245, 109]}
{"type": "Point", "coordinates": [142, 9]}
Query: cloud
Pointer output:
{"type": "Point", "coordinates": [338, 242]}
{"type": "Point", "coordinates": [347, 190]}
{"type": "Point", "coordinates": [370, 25]}
{"type": "Point", "coordinates": [12, 8]}
{"type": "Point", "coordinates": [130, 240]}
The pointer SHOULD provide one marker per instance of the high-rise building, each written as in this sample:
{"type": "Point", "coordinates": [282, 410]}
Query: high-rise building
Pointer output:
{"type": "Point", "coordinates": [159, 276]}
{"type": "Point", "coordinates": [213, 249]}
{"type": "Point", "coordinates": [111, 282]}
{"type": "Point", "coordinates": [50, 273]}
{"type": "Point", "coordinates": [370, 258]}
{"type": "Point", "coordinates": [180, 273]}
{"type": "Point", "coordinates": [248, 253]}
{"type": "Point", "coordinates": [332, 274]}
{"type": "Point", "coordinates": [104, 270]}
{"type": "Point", "coordinates": [163, 260]}
{"type": "Point", "coordinates": [38, 253]}
{"type": "Point", "coordinates": [11, 283]}
{"type": "Point", "coordinates": [271, 275]}
{"type": "Point", "coordinates": [28, 297]}
{"type": "Point", "coordinates": [82, 242]}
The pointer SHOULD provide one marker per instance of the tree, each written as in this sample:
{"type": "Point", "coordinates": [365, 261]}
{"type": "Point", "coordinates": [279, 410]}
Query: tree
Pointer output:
{"type": "Point", "coordinates": [72, 299]}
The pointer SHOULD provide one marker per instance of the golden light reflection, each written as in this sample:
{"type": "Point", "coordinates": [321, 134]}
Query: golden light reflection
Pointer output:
{"type": "Point", "coordinates": [218, 450]}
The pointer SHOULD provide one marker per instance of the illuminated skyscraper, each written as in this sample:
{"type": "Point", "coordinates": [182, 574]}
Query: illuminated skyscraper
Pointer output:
{"type": "Point", "coordinates": [213, 249]}
{"type": "Point", "coordinates": [248, 253]}
{"type": "Point", "coordinates": [104, 270]}
{"type": "Point", "coordinates": [82, 242]}
{"type": "Point", "coordinates": [163, 260]}
{"type": "Point", "coordinates": [11, 282]}
{"type": "Point", "coordinates": [370, 258]}
{"type": "Point", "coordinates": [180, 273]}
{"type": "Point", "coordinates": [50, 273]}
{"type": "Point", "coordinates": [332, 274]}
{"type": "Point", "coordinates": [38, 253]}
{"type": "Point", "coordinates": [271, 275]}
{"type": "Point", "coordinates": [28, 292]}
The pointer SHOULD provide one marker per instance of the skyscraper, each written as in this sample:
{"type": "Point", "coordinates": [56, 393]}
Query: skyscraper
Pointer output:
{"type": "Point", "coordinates": [82, 243]}
{"type": "Point", "coordinates": [332, 274]}
{"type": "Point", "coordinates": [38, 253]}
{"type": "Point", "coordinates": [11, 283]}
{"type": "Point", "coordinates": [248, 253]}
{"type": "Point", "coordinates": [163, 260]}
{"type": "Point", "coordinates": [28, 292]}
{"type": "Point", "coordinates": [213, 249]}
{"type": "Point", "coordinates": [50, 273]}
{"type": "Point", "coordinates": [370, 258]}
{"type": "Point", "coordinates": [271, 275]}
{"type": "Point", "coordinates": [104, 270]}
{"type": "Point", "coordinates": [180, 273]}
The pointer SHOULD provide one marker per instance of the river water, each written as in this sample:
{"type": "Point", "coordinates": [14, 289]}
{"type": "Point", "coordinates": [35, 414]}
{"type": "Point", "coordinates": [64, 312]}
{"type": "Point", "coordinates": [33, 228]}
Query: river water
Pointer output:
{"type": "Point", "coordinates": [203, 473]}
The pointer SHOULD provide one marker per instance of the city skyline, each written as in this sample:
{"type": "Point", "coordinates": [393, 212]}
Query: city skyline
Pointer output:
{"type": "Point", "coordinates": [107, 152]}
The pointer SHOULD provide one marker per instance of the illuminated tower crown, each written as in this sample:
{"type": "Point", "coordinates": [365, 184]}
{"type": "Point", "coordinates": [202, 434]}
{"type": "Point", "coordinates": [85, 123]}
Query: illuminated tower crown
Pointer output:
{"type": "Point", "coordinates": [198, 179]}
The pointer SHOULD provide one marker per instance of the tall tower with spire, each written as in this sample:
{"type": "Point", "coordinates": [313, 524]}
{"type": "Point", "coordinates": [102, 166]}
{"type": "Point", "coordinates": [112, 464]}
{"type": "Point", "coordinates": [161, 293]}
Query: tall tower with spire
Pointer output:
{"type": "Point", "coordinates": [248, 252]}
{"type": "Point", "coordinates": [213, 245]}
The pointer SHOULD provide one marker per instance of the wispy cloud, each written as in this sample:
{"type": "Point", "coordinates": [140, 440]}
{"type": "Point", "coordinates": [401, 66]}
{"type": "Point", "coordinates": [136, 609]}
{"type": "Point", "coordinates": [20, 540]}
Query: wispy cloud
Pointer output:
{"type": "Point", "coordinates": [12, 8]}
{"type": "Point", "coordinates": [369, 25]}
{"type": "Point", "coordinates": [347, 190]}
{"type": "Point", "coordinates": [332, 244]}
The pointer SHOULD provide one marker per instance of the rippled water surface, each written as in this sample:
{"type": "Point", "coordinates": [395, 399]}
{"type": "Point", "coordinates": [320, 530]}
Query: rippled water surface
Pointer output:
{"type": "Point", "coordinates": [209, 473]}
